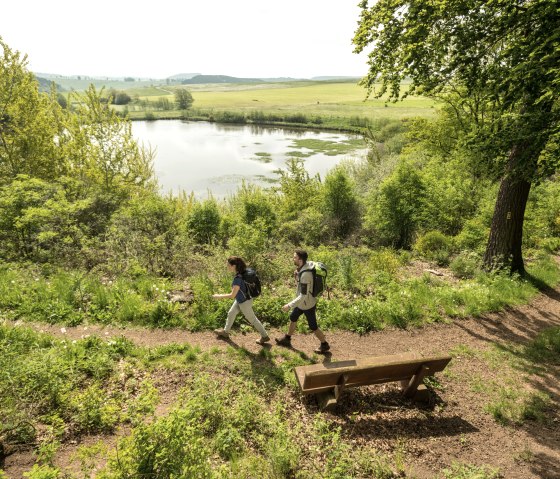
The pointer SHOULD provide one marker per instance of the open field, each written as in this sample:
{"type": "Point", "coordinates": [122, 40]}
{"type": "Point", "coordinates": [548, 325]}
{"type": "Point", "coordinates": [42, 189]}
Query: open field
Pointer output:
{"type": "Point", "coordinates": [344, 103]}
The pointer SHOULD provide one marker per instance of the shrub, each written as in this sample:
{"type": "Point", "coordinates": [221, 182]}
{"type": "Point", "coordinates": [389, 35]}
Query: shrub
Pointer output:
{"type": "Point", "coordinates": [340, 203]}
{"type": "Point", "coordinates": [395, 211]}
{"type": "Point", "coordinates": [203, 222]}
{"type": "Point", "coordinates": [435, 246]}
{"type": "Point", "coordinates": [465, 265]}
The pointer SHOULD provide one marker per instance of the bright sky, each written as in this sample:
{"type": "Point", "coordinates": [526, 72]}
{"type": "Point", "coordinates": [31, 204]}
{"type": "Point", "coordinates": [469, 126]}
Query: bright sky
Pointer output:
{"type": "Point", "coordinates": [242, 38]}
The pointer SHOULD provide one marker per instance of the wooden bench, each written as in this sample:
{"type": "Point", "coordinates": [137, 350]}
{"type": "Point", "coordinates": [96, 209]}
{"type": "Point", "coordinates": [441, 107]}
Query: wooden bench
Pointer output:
{"type": "Point", "coordinates": [328, 380]}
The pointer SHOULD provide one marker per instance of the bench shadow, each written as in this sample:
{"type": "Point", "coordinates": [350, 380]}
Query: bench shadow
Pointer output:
{"type": "Point", "coordinates": [382, 413]}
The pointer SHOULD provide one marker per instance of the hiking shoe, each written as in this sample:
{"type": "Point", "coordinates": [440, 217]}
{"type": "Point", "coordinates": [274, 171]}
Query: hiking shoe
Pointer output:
{"type": "Point", "coordinates": [323, 348]}
{"type": "Point", "coordinates": [222, 333]}
{"type": "Point", "coordinates": [262, 341]}
{"type": "Point", "coordinates": [285, 341]}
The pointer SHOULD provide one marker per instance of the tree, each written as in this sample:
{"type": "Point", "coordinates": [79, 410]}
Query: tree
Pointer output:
{"type": "Point", "coordinates": [501, 60]}
{"type": "Point", "coordinates": [183, 99]}
{"type": "Point", "coordinates": [29, 121]}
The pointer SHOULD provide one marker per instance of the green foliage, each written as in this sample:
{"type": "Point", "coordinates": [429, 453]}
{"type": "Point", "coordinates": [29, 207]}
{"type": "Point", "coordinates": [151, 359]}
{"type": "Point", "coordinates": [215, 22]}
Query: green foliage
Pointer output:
{"type": "Point", "coordinates": [466, 265]}
{"type": "Point", "coordinates": [252, 204]}
{"type": "Point", "coordinates": [298, 190]}
{"type": "Point", "coordinates": [469, 471]}
{"type": "Point", "coordinates": [183, 99]}
{"type": "Point", "coordinates": [340, 203]}
{"type": "Point", "coordinates": [203, 222]}
{"type": "Point", "coordinates": [251, 242]}
{"type": "Point", "coordinates": [545, 347]}
{"type": "Point", "coordinates": [59, 382]}
{"type": "Point", "coordinates": [395, 212]}
{"type": "Point", "coordinates": [145, 233]}
{"type": "Point", "coordinates": [207, 313]}
{"type": "Point", "coordinates": [495, 64]}
{"type": "Point", "coordinates": [29, 121]}
{"type": "Point", "coordinates": [94, 410]}
{"type": "Point", "coordinates": [43, 472]}
{"type": "Point", "coordinates": [512, 406]}
{"type": "Point", "coordinates": [541, 228]}
{"type": "Point", "coordinates": [435, 246]}
{"type": "Point", "coordinates": [171, 446]}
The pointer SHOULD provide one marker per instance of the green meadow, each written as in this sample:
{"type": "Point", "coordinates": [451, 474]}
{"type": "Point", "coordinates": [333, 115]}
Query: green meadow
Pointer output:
{"type": "Point", "coordinates": [322, 103]}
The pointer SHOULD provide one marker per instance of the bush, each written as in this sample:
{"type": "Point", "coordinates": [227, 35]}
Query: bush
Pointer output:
{"type": "Point", "coordinates": [465, 265]}
{"type": "Point", "coordinates": [395, 211]}
{"type": "Point", "coordinates": [203, 222]}
{"type": "Point", "coordinates": [435, 246]}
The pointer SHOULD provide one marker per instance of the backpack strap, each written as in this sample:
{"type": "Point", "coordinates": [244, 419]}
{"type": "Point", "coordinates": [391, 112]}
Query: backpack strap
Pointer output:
{"type": "Point", "coordinates": [245, 293]}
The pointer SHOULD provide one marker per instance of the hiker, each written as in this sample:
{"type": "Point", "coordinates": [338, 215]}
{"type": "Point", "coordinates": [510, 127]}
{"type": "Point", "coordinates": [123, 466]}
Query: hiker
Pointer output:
{"type": "Point", "coordinates": [243, 302]}
{"type": "Point", "coordinates": [305, 303]}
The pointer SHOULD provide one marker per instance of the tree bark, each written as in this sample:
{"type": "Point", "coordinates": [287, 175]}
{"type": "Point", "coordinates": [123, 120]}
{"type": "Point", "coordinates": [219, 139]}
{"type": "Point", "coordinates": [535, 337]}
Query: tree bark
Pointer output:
{"type": "Point", "coordinates": [506, 231]}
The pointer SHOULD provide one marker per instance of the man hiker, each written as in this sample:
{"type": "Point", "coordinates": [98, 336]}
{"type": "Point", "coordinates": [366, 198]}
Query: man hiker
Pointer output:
{"type": "Point", "coordinates": [304, 303]}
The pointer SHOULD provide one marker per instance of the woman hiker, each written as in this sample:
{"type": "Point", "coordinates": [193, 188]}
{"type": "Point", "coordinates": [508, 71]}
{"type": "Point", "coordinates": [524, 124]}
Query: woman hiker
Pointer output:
{"type": "Point", "coordinates": [243, 303]}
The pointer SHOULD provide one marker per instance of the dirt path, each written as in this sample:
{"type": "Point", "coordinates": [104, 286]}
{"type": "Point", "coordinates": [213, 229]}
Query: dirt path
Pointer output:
{"type": "Point", "coordinates": [461, 430]}
{"type": "Point", "coordinates": [515, 325]}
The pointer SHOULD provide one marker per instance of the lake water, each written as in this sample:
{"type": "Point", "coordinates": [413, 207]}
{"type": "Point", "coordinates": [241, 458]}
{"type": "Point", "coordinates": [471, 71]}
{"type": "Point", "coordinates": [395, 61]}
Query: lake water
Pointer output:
{"type": "Point", "coordinates": [200, 157]}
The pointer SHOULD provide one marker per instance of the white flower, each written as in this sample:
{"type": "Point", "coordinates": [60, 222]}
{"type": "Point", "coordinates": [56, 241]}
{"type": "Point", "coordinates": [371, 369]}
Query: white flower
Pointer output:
{"type": "Point", "coordinates": [63, 330]}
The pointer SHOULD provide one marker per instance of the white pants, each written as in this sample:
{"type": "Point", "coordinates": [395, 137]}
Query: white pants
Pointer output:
{"type": "Point", "coordinates": [246, 307]}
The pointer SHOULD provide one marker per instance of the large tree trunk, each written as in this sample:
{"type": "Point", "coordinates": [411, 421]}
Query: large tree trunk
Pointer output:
{"type": "Point", "coordinates": [506, 232]}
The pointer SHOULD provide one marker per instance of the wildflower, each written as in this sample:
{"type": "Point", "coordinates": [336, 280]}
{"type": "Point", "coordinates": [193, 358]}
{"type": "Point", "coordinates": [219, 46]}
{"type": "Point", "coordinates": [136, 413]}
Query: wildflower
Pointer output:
{"type": "Point", "coordinates": [63, 330]}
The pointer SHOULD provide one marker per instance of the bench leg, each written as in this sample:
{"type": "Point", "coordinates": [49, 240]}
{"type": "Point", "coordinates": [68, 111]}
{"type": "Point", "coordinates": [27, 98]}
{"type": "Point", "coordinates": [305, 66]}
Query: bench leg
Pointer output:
{"type": "Point", "coordinates": [329, 399]}
{"type": "Point", "coordinates": [415, 381]}
{"type": "Point", "coordinates": [326, 401]}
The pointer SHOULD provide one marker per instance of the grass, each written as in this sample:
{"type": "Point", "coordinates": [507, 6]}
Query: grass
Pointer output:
{"type": "Point", "coordinates": [367, 295]}
{"type": "Point", "coordinates": [325, 105]}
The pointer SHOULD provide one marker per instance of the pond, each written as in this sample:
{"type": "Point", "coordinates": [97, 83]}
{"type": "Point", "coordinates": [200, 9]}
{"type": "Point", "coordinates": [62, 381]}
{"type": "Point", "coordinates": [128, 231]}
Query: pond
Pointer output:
{"type": "Point", "coordinates": [203, 157]}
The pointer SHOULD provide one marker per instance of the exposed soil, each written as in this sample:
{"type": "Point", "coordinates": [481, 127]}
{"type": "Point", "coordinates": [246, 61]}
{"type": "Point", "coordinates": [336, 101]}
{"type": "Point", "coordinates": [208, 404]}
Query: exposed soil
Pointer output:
{"type": "Point", "coordinates": [456, 428]}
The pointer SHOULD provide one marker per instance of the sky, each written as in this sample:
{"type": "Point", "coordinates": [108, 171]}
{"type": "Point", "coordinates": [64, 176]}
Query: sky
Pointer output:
{"type": "Point", "coordinates": [157, 39]}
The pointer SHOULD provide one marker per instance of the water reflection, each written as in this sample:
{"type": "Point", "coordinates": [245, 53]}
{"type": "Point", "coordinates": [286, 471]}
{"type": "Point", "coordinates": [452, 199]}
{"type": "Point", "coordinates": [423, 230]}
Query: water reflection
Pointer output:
{"type": "Point", "coordinates": [199, 156]}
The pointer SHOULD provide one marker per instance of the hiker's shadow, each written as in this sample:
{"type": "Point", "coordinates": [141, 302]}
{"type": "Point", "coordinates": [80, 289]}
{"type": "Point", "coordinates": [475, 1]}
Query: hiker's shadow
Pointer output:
{"type": "Point", "coordinates": [264, 369]}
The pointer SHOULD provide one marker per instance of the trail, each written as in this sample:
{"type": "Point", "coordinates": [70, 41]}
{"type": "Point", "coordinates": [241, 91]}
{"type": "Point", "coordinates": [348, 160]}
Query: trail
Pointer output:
{"type": "Point", "coordinates": [517, 325]}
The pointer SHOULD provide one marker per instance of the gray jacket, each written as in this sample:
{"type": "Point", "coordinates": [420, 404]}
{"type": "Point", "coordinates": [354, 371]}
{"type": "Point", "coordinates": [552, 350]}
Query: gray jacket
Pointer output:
{"type": "Point", "coordinates": [304, 299]}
